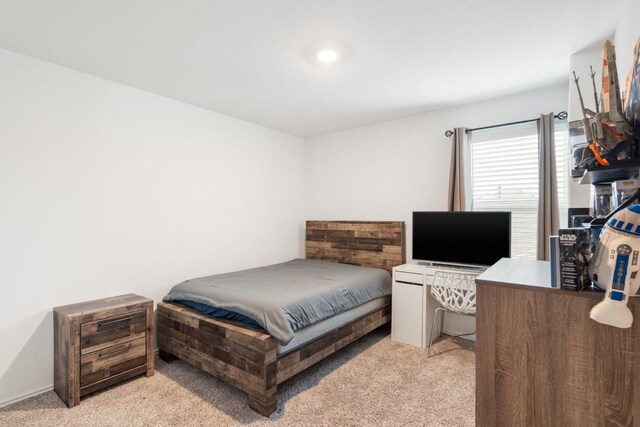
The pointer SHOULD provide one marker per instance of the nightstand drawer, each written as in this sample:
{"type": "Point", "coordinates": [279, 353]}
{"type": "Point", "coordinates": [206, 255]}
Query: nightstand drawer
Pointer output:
{"type": "Point", "coordinates": [94, 335]}
{"type": "Point", "coordinates": [112, 361]}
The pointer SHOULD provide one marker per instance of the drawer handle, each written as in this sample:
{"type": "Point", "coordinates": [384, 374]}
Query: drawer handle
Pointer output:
{"type": "Point", "coordinates": [113, 353]}
{"type": "Point", "coordinates": [408, 283]}
{"type": "Point", "coordinates": [109, 322]}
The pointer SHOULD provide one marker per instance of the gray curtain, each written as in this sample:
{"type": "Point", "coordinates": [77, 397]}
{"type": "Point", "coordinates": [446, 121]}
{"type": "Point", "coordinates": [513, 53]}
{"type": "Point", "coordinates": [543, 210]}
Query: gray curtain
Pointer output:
{"type": "Point", "coordinates": [548, 217]}
{"type": "Point", "coordinates": [456, 173]}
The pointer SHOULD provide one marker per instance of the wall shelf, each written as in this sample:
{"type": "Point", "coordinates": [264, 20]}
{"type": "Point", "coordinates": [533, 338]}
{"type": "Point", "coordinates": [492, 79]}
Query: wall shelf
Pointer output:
{"type": "Point", "coordinates": [621, 169]}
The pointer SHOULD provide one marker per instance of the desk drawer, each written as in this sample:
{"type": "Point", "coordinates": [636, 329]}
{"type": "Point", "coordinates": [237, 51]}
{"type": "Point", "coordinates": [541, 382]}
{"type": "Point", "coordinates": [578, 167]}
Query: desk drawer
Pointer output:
{"type": "Point", "coordinates": [405, 277]}
{"type": "Point", "coordinates": [98, 334]}
{"type": "Point", "coordinates": [112, 361]}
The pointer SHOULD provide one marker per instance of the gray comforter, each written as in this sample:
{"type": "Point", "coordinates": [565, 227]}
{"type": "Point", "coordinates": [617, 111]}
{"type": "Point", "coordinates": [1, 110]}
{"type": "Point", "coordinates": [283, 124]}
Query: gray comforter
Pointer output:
{"type": "Point", "coordinates": [286, 297]}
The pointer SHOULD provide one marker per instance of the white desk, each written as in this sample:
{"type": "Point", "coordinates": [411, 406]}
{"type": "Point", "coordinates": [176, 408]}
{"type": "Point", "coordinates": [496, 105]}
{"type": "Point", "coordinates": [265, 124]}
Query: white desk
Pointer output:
{"type": "Point", "coordinates": [412, 306]}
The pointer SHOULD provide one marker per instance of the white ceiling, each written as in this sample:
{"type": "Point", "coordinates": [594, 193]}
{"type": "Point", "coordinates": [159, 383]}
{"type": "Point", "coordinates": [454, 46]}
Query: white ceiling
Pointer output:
{"type": "Point", "coordinates": [253, 59]}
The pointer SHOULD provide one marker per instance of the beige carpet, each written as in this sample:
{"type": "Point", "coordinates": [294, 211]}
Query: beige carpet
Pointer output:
{"type": "Point", "coordinates": [375, 381]}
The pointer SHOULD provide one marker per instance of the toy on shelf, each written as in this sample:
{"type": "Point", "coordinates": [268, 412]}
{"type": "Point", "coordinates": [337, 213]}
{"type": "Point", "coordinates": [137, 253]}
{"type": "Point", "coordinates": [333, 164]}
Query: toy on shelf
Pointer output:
{"type": "Point", "coordinates": [608, 133]}
{"type": "Point", "coordinates": [631, 101]}
{"type": "Point", "coordinates": [614, 267]}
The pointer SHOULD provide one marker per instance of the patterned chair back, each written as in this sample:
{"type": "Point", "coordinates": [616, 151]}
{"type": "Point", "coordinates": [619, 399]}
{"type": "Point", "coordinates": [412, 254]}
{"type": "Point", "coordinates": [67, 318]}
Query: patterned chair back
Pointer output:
{"type": "Point", "coordinates": [455, 291]}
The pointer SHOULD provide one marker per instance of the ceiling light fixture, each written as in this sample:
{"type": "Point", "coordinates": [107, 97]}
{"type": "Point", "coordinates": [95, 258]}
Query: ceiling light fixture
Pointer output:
{"type": "Point", "coordinates": [325, 55]}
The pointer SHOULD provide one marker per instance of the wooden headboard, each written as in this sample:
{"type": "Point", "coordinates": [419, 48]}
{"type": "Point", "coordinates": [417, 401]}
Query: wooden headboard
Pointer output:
{"type": "Point", "coordinates": [378, 244]}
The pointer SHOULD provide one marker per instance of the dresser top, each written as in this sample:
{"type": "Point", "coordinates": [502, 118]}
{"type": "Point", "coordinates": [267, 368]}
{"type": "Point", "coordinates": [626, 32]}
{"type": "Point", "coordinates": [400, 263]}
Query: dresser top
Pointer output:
{"type": "Point", "coordinates": [528, 274]}
{"type": "Point", "coordinates": [97, 305]}
{"type": "Point", "coordinates": [518, 272]}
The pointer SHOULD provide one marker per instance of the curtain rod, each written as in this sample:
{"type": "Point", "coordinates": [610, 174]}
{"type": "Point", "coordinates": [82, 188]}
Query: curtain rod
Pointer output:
{"type": "Point", "coordinates": [562, 115]}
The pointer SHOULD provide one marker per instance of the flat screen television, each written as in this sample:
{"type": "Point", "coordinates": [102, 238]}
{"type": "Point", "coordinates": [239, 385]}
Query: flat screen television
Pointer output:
{"type": "Point", "coordinates": [462, 238]}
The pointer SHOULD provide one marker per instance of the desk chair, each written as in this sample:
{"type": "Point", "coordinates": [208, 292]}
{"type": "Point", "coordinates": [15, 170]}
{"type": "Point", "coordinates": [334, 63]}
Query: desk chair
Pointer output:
{"type": "Point", "coordinates": [456, 292]}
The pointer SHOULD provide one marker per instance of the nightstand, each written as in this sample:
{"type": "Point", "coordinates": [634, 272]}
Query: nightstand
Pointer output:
{"type": "Point", "coordinates": [100, 343]}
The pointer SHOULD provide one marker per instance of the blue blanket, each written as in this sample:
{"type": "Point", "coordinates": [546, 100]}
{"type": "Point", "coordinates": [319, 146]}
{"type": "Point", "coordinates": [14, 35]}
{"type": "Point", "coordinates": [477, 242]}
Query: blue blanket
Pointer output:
{"type": "Point", "coordinates": [283, 298]}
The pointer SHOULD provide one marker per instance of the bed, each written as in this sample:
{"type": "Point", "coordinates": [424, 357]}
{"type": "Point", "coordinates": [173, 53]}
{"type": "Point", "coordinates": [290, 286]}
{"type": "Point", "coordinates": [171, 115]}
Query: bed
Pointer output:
{"type": "Point", "coordinates": [255, 361]}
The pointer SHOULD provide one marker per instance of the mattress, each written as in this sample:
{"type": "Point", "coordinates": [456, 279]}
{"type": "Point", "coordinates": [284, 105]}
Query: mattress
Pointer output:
{"type": "Point", "coordinates": [287, 297]}
{"type": "Point", "coordinates": [316, 330]}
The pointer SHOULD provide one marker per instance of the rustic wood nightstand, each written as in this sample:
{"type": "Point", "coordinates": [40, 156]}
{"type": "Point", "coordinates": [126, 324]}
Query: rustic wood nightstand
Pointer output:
{"type": "Point", "coordinates": [100, 343]}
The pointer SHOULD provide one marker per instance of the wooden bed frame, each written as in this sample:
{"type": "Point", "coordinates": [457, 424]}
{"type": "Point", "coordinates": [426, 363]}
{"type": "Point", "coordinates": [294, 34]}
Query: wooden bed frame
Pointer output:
{"type": "Point", "coordinates": [247, 358]}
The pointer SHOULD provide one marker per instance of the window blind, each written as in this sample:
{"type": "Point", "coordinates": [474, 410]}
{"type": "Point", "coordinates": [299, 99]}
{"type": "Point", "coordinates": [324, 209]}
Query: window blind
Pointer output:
{"type": "Point", "coordinates": [504, 177]}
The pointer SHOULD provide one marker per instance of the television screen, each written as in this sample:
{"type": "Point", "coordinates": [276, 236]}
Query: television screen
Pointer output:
{"type": "Point", "coordinates": [467, 238]}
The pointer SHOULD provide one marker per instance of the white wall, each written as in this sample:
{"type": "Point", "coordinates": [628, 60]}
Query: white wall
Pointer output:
{"type": "Point", "coordinates": [388, 170]}
{"type": "Point", "coordinates": [106, 190]}
{"type": "Point", "coordinates": [627, 34]}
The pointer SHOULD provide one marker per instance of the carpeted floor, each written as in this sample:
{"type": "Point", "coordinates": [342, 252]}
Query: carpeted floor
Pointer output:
{"type": "Point", "coordinates": [374, 381]}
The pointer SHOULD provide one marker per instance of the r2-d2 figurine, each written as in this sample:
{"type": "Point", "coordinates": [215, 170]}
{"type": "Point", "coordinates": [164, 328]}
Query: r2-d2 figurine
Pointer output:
{"type": "Point", "coordinates": [614, 267]}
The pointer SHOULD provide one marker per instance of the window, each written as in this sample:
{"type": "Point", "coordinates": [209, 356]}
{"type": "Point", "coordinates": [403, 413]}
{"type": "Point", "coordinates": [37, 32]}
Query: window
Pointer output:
{"type": "Point", "coordinates": [504, 177]}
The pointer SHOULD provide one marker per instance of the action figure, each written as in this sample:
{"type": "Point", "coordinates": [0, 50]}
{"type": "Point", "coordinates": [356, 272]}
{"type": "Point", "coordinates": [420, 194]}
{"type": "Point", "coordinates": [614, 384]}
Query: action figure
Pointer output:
{"type": "Point", "coordinates": [614, 267]}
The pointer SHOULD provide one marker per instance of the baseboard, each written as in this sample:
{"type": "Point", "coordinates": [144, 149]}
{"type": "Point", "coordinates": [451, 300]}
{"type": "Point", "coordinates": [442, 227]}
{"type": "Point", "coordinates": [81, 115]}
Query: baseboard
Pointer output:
{"type": "Point", "coordinates": [26, 396]}
{"type": "Point", "coordinates": [44, 390]}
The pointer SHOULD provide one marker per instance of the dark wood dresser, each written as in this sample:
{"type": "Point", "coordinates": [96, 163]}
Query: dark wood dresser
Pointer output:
{"type": "Point", "coordinates": [540, 359]}
{"type": "Point", "coordinates": [100, 343]}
